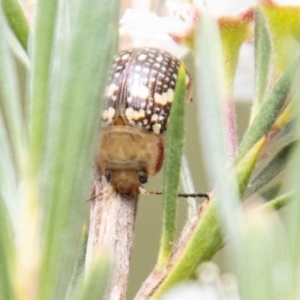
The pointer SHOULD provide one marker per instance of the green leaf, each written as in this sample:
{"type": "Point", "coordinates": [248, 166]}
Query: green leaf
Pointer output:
{"type": "Point", "coordinates": [10, 102]}
{"type": "Point", "coordinates": [6, 255]}
{"type": "Point", "coordinates": [93, 286]}
{"type": "Point", "coordinates": [271, 192]}
{"type": "Point", "coordinates": [212, 119]}
{"type": "Point", "coordinates": [39, 82]}
{"type": "Point", "coordinates": [246, 165]}
{"type": "Point", "coordinates": [269, 109]}
{"type": "Point", "coordinates": [8, 178]}
{"type": "Point", "coordinates": [12, 133]}
{"type": "Point", "coordinates": [272, 169]}
{"type": "Point", "coordinates": [16, 20]}
{"type": "Point", "coordinates": [283, 27]}
{"type": "Point", "coordinates": [173, 152]}
{"type": "Point", "coordinates": [293, 224]}
{"type": "Point", "coordinates": [74, 117]}
{"type": "Point", "coordinates": [262, 61]}
{"type": "Point", "coordinates": [205, 241]}
{"type": "Point", "coordinates": [277, 203]}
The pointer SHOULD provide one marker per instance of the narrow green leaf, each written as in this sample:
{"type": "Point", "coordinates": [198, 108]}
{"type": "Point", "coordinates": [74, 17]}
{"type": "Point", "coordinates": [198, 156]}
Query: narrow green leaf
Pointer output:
{"type": "Point", "coordinates": [293, 223]}
{"type": "Point", "coordinates": [269, 109]}
{"type": "Point", "coordinates": [284, 137]}
{"type": "Point", "coordinates": [246, 165]}
{"type": "Point", "coordinates": [16, 20]}
{"type": "Point", "coordinates": [12, 133]}
{"type": "Point", "coordinates": [41, 65]}
{"type": "Point", "coordinates": [211, 118]}
{"type": "Point", "coordinates": [8, 178]}
{"type": "Point", "coordinates": [277, 203]}
{"type": "Point", "coordinates": [271, 192]}
{"type": "Point", "coordinates": [174, 145]}
{"type": "Point", "coordinates": [272, 169]}
{"type": "Point", "coordinates": [205, 241]}
{"type": "Point", "coordinates": [6, 255]}
{"type": "Point", "coordinates": [262, 61]}
{"type": "Point", "coordinates": [10, 102]}
{"type": "Point", "coordinates": [74, 116]}
{"type": "Point", "coordinates": [206, 238]}
{"type": "Point", "coordinates": [93, 286]}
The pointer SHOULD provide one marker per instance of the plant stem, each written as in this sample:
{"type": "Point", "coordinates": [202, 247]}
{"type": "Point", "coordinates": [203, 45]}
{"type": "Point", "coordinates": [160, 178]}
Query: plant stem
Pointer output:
{"type": "Point", "coordinates": [112, 218]}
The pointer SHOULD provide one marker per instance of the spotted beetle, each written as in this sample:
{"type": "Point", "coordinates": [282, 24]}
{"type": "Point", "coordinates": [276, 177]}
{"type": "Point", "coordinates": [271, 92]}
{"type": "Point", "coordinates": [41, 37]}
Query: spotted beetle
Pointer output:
{"type": "Point", "coordinates": [138, 100]}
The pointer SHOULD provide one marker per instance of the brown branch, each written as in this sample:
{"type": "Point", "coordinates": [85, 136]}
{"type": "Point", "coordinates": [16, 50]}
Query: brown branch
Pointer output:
{"type": "Point", "coordinates": [112, 218]}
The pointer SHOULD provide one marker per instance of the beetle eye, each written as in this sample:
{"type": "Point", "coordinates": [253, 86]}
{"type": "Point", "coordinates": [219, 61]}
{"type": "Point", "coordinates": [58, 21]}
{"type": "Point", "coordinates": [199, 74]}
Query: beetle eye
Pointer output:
{"type": "Point", "coordinates": [143, 177]}
{"type": "Point", "coordinates": [107, 175]}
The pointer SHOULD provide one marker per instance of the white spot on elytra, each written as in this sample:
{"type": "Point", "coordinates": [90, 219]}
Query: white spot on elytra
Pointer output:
{"type": "Point", "coordinates": [159, 99]}
{"type": "Point", "coordinates": [108, 114]}
{"type": "Point", "coordinates": [142, 57]}
{"type": "Point", "coordinates": [170, 95]}
{"type": "Point", "coordinates": [129, 99]}
{"type": "Point", "coordinates": [139, 91]}
{"type": "Point", "coordinates": [129, 113]}
{"type": "Point", "coordinates": [154, 117]}
{"type": "Point", "coordinates": [116, 74]}
{"type": "Point", "coordinates": [164, 98]}
{"type": "Point", "coordinates": [159, 58]}
{"type": "Point", "coordinates": [156, 128]}
{"type": "Point", "coordinates": [144, 92]}
{"type": "Point", "coordinates": [125, 56]}
{"type": "Point", "coordinates": [145, 121]}
{"type": "Point", "coordinates": [133, 115]}
{"type": "Point", "coordinates": [111, 89]}
{"type": "Point", "coordinates": [163, 69]}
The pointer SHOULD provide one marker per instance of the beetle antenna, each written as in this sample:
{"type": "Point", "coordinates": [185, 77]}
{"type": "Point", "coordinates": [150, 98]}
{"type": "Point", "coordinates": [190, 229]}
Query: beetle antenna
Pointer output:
{"type": "Point", "coordinates": [192, 195]}
{"type": "Point", "coordinates": [94, 197]}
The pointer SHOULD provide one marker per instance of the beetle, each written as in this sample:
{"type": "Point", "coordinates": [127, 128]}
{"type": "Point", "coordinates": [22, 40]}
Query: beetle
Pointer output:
{"type": "Point", "coordinates": [138, 99]}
